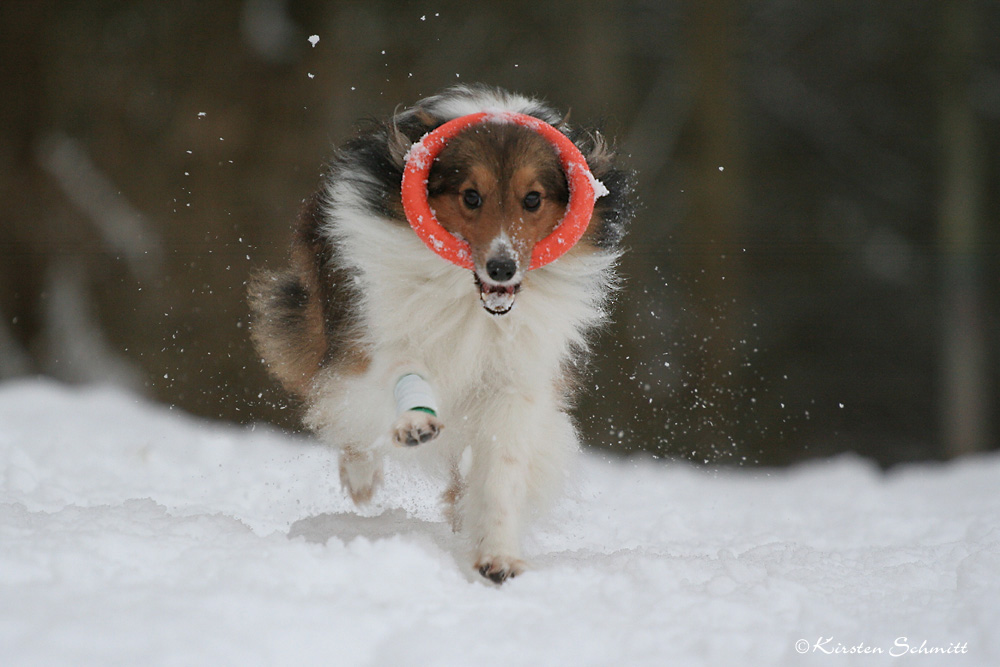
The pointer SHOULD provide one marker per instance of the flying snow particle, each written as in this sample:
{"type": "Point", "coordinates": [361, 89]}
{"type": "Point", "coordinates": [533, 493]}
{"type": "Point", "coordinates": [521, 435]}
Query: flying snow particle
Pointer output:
{"type": "Point", "coordinates": [314, 40]}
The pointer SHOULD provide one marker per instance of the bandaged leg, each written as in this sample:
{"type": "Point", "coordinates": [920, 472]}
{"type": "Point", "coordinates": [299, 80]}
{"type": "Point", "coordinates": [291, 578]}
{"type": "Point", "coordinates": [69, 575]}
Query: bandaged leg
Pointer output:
{"type": "Point", "coordinates": [417, 412]}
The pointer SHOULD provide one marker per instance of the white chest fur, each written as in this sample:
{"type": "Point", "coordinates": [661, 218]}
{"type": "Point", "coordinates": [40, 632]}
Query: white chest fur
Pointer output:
{"type": "Point", "coordinates": [421, 311]}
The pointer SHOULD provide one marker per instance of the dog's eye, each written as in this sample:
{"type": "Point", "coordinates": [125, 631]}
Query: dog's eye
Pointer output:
{"type": "Point", "coordinates": [532, 201]}
{"type": "Point", "coordinates": [472, 199]}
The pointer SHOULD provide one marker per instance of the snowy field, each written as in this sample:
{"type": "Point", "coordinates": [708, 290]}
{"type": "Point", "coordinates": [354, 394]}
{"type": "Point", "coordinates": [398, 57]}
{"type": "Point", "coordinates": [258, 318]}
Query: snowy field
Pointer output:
{"type": "Point", "coordinates": [133, 535]}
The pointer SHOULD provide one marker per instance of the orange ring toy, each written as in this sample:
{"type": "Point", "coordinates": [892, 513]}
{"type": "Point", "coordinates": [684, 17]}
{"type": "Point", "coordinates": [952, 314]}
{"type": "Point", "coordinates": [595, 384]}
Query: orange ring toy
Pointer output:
{"type": "Point", "coordinates": [420, 159]}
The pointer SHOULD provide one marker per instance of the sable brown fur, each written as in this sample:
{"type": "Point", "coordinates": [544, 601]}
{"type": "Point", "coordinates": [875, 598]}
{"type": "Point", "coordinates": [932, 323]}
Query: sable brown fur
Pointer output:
{"type": "Point", "coordinates": [502, 163]}
{"type": "Point", "coordinates": [300, 317]}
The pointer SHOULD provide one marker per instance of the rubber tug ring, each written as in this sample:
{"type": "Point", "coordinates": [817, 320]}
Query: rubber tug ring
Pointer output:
{"type": "Point", "coordinates": [583, 189]}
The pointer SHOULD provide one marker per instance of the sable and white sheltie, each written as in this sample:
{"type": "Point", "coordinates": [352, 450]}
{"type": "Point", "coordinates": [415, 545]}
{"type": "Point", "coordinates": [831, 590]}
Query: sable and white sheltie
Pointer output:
{"type": "Point", "coordinates": [365, 302]}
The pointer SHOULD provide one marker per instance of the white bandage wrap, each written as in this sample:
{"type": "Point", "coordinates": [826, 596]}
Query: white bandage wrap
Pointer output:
{"type": "Point", "coordinates": [413, 393]}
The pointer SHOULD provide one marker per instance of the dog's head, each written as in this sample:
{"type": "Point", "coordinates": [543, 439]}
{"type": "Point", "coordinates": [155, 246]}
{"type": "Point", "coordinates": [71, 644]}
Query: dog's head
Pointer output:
{"type": "Point", "coordinates": [501, 188]}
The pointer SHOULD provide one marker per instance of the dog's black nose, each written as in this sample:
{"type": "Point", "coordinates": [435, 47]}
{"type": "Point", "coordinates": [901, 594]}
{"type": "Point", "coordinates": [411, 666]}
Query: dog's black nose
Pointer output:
{"type": "Point", "coordinates": [501, 269]}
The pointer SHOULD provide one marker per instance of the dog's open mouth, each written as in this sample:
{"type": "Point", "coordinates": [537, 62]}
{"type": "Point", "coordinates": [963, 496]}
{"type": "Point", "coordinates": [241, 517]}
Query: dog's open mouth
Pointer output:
{"type": "Point", "coordinates": [497, 299]}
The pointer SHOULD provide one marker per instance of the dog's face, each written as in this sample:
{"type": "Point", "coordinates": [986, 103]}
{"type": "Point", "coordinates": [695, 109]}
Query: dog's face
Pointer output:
{"type": "Point", "coordinates": [501, 188]}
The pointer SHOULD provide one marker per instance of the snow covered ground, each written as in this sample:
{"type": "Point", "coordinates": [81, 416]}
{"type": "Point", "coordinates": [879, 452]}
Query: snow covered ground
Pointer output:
{"type": "Point", "coordinates": [133, 535]}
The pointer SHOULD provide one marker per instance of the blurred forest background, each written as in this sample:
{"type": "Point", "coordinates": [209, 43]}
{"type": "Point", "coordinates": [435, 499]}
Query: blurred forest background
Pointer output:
{"type": "Point", "coordinates": [815, 267]}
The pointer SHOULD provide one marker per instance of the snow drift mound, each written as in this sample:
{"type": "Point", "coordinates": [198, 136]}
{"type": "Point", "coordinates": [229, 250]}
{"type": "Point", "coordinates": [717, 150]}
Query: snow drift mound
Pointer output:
{"type": "Point", "coordinates": [130, 534]}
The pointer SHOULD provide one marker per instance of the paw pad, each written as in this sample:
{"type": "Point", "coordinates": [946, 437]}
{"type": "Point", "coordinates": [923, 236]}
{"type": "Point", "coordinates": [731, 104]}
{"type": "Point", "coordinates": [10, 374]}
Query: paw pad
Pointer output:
{"type": "Point", "coordinates": [500, 570]}
{"type": "Point", "coordinates": [415, 428]}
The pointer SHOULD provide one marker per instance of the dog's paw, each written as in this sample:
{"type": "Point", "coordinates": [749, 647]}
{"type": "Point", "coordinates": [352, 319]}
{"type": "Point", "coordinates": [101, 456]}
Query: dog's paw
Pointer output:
{"type": "Point", "coordinates": [360, 474]}
{"type": "Point", "coordinates": [415, 427]}
{"type": "Point", "coordinates": [499, 569]}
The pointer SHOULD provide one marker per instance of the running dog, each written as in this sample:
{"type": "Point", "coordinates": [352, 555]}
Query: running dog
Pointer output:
{"type": "Point", "coordinates": [388, 344]}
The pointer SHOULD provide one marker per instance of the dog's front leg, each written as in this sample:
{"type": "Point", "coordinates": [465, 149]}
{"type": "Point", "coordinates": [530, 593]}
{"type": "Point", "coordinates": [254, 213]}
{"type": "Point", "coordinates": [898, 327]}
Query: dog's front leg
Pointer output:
{"type": "Point", "coordinates": [417, 410]}
{"type": "Point", "coordinates": [356, 412]}
{"type": "Point", "coordinates": [519, 461]}
{"type": "Point", "coordinates": [496, 503]}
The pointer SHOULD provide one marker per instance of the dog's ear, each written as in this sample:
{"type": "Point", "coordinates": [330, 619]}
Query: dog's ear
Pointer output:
{"type": "Point", "coordinates": [397, 143]}
{"type": "Point", "coordinates": [613, 211]}
{"type": "Point", "coordinates": [427, 120]}
{"type": "Point", "coordinates": [563, 124]}
{"type": "Point", "coordinates": [405, 129]}
{"type": "Point", "coordinates": [599, 154]}
{"type": "Point", "coordinates": [595, 148]}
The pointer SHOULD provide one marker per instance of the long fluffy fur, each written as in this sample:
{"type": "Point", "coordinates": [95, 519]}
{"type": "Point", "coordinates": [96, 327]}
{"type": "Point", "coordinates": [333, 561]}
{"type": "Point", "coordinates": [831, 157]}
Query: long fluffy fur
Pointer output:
{"type": "Point", "coordinates": [364, 301]}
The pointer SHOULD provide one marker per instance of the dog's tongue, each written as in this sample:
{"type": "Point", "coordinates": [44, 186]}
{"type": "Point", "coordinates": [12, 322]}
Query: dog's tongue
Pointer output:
{"type": "Point", "coordinates": [497, 299]}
